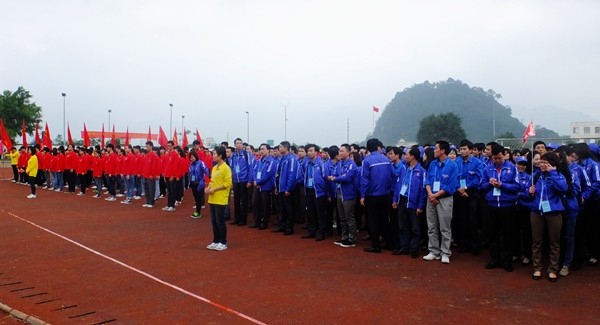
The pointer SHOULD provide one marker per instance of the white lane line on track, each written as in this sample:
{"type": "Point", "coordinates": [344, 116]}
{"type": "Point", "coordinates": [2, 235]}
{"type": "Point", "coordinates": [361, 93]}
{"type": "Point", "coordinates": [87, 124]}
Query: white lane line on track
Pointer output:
{"type": "Point", "coordinates": [165, 283]}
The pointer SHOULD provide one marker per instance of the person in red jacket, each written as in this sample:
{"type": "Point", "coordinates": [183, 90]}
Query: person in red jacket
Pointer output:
{"type": "Point", "coordinates": [22, 164]}
{"type": "Point", "coordinates": [48, 163]}
{"type": "Point", "coordinates": [39, 179]}
{"type": "Point", "coordinates": [98, 171]}
{"type": "Point", "coordinates": [59, 169]}
{"type": "Point", "coordinates": [138, 170]}
{"type": "Point", "coordinates": [110, 171]}
{"type": "Point", "coordinates": [71, 161]}
{"type": "Point", "coordinates": [128, 164]}
{"type": "Point", "coordinates": [151, 174]}
{"type": "Point", "coordinates": [81, 171]}
{"type": "Point", "coordinates": [170, 163]}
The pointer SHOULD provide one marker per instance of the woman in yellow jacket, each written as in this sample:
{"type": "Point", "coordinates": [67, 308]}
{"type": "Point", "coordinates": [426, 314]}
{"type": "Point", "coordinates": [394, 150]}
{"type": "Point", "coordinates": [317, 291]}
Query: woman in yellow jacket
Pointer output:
{"type": "Point", "coordinates": [14, 159]}
{"type": "Point", "coordinates": [218, 199]}
{"type": "Point", "coordinates": [32, 170]}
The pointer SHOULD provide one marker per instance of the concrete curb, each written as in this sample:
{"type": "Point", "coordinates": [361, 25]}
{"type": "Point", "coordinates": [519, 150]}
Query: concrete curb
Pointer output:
{"type": "Point", "coordinates": [22, 316]}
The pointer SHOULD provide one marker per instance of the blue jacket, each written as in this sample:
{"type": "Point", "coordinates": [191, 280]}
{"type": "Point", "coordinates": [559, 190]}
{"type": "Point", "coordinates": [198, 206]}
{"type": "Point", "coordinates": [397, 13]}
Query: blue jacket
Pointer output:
{"type": "Point", "coordinates": [289, 172]}
{"type": "Point", "coordinates": [241, 166]}
{"type": "Point", "coordinates": [525, 198]}
{"type": "Point", "coordinates": [346, 173]}
{"type": "Point", "coordinates": [550, 186]}
{"type": "Point", "coordinates": [377, 175]}
{"type": "Point", "coordinates": [591, 187]}
{"type": "Point", "coordinates": [331, 186]}
{"type": "Point", "coordinates": [509, 190]}
{"type": "Point", "coordinates": [315, 177]}
{"type": "Point", "coordinates": [571, 200]}
{"type": "Point", "coordinates": [414, 182]}
{"type": "Point", "coordinates": [446, 173]}
{"type": "Point", "coordinates": [471, 171]}
{"type": "Point", "coordinates": [197, 172]}
{"type": "Point", "coordinates": [264, 174]}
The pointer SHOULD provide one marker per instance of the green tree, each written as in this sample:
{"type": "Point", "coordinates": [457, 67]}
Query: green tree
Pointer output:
{"type": "Point", "coordinates": [507, 135]}
{"type": "Point", "coordinates": [16, 107]}
{"type": "Point", "coordinates": [444, 126]}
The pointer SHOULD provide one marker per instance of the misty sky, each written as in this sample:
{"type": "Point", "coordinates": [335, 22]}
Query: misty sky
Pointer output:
{"type": "Point", "coordinates": [214, 60]}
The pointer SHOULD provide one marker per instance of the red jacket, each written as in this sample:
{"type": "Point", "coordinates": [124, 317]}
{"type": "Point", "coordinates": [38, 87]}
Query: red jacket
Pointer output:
{"type": "Point", "coordinates": [71, 161]}
{"type": "Point", "coordinates": [49, 161]}
{"type": "Point", "coordinates": [151, 165]}
{"type": "Point", "coordinates": [81, 165]}
{"type": "Point", "coordinates": [59, 163]}
{"type": "Point", "coordinates": [169, 164]}
{"type": "Point", "coordinates": [110, 164]}
{"type": "Point", "coordinates": [40, 157]}
{"type": "Point", "coordinates": [128, 164]}
{"type": "Point", "coordinates": [23, 159]}
{"type": "Point", "coordinates": [97, 166]}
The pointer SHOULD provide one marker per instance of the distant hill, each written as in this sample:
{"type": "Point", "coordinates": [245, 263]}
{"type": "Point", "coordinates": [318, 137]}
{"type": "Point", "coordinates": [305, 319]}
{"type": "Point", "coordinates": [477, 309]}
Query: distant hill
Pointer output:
{"type": "Point", "coordinates": [400, 118]}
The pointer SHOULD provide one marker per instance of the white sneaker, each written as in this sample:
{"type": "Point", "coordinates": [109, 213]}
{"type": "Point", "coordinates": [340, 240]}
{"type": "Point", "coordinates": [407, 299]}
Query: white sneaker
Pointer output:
{"type": "Point", "coordinates": [126, 201]}
{"type": "Point", "coordinates": [111, 199]}
{"type": "Point", "coordinates": [170, 209]}
{"type": "Point", "coordinates": [94, 187]}
{"type": "Point", "coordinates": [445, 259]}
{"type": "Point", "coordinates": [212, 246]}
{"type": "Point", "coordinates": [145, 205]}
{"type": "Point", "coordinates": [97, 196]}
{"type": "Point", "coordinates": [165, 208]}
{"type": "Point", "coordinates": [220, 247]}
{"type": "Point", "coordinates": [177, 203]}
{"type": "Point", "coordinates": [31, 196]}
{"type": "Point", "coordinates": [120, 195]}
{"type": "Point", "coordinates": [564, 271]}
{"type": "Point", "coordinates": [137, 197]}
{"type": "Point", "coordinates": [80, 194]}
{"type": "Point", "coordinates": [57, 190]}
{"type": "Point", "coordinates": [45, 187]}
{"type": "Point", "coordinates": [431, 257]}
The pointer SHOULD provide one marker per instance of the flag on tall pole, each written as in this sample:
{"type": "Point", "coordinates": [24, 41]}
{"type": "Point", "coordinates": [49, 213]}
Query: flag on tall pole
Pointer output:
{"type": "Point", "coordinates": [175, 141]}
{"type": "Point", "coordinates": [69, 137]}
{"type": "Point", "coordinates": [199, 138]}
{"type": "Point", "coordinates": [113, 137]}
{"type": "Point", "coordinates": [46, 138]}
{"type": "Point", "coordinates": [86, 137]}
{"type": "Point", "coordinates": [529, 132]}
{"type": "Point", "coordinates": [24, 132]}
{"type": "Point", "coordinates": [102, 137]}
{"type": "Point", "coordinates": [38, 140]}
{"type": "Point", "coordinates": [375, 110]}
{"type": "Point", "coordinates": [184, 141]}
{"type": "Point", "coordinates": [4, 136]}
{"type": "Point", "coordinates": [162, 137]}
{"type": "Point", "coordinates": [149, 137]}
{"type": "Point", "coordinates": [127, 136]}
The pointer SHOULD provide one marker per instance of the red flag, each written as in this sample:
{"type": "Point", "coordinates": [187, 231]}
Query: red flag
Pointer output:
{"type": "Point", "coordinates": [69, 137]}
{"type": "Point", "coordinates": [4, 136]}
{"type": "Point", "coordinates": [38, 140]}
{"type": "Point", "coordinates": [24, 132]}
{"type": "Point", "coordinates": [47, 139]}
{"type": "Point", "coordinates": [175, 141]}
{"type": "Point", "coordinates": [113, 137]}
{"type": "Point", "coordinates": [184, 141]}
{"type": "Point", "coordinates": [162, 137]}
{"type": "Point", "coordinates": [199, 138]}
{"type": "Point", "coordinates": [127, 137]}
{"type": "Point", "coordinates": [375, 109]}
{"type": "Point", "coordinates": [529, 132]}
{"type": "Point", "coordinates": [86, 137]}
{"type": "Point", "coordinates": [149, 137]}
{"type": "Point", "coordinates": [102, 139]}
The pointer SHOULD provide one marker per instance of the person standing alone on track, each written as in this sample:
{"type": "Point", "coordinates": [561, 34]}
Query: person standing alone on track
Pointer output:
{"type": "Point", "coordinates": [218, 199]}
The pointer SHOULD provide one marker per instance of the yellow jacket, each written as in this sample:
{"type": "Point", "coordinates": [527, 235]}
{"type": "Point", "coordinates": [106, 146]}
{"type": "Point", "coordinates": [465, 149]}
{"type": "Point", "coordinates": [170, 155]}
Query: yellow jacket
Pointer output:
{"type": "Point", "coordinates": [220, 177]}
{"type": "Point", "coordinates": [32, 166]}
{"type": "Point", "coordinates": [14, 157]}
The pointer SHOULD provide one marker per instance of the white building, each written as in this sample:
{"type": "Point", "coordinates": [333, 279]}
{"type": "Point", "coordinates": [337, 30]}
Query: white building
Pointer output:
{"type": "Point", "coordinates": [586, 131]}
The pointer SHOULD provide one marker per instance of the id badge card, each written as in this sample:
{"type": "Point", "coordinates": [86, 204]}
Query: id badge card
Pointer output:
{"type": "Point", "coordinates": [403, 190]}
{"type": "Point", "coordinates": [497, 191]}
{"type": "Point", "coordinates": [258, 175]}
{"type": "Point", "coordinates": [237, 168]}
{"type": "Point", "coordinates": [310, 182]}
{"type": "Point", "coordinates": [193, 178]}
{"type": "Point", "coordinates": [545, 206]}
{"type": "Point", "coordinates": [436, 186]}
{"type": "Point", "coordinates": [463, 183]}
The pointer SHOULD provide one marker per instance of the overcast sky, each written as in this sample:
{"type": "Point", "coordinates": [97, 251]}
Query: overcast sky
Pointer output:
{"type": "Point", "coordinates": [332, 60]}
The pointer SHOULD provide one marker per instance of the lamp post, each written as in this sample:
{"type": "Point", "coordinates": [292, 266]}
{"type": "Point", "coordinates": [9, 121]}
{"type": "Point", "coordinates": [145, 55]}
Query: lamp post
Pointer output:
{"type": "Point", "coordinates": [182, 118]}
{"type": "Point", "coordinates": [64, 96]}
{"type": "Point", "coordinates": [171, 121]}
{"type": "Point", "coordinates": [285, 101]}
{"type": "Point", "coordinates": [109, 111]}
{"type": "Point", "coordinates": [248, 127]}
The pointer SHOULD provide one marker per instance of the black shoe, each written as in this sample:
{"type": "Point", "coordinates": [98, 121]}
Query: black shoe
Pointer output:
{"type": "Point", "coordinates": [288, 233]}
{"type": "Point", "coordinates": [262, 227]}
{"type": "Point", "coordinates": [278, 230]}
{"type": "Point", "coordinates": [414, 254]}
{"type": "Point", "coordinates": [399, 252]}
{"type": "Point", "coordinates": [373, 250]}
{"type": "Point", "coordinates": [536, 276]}
{"type": "Point", "coordinates": [507, 267]}
{"type": "Point", "coordinates": [241, 224]}
{"type": "Point", "coordinates": [552, 279]}
{"type": "Point", "coordinates": [233, 223]}
{"type": "Point", "coordinates": [492, 265]}
{"type": "Point", "coordinates": [308, 236]}
{"type": "Point", "coordinates": [319, 238]}
{"type": "Point", "coordinates": [348, 243]}
{"type": "Point", "coordinates": [253, 226]}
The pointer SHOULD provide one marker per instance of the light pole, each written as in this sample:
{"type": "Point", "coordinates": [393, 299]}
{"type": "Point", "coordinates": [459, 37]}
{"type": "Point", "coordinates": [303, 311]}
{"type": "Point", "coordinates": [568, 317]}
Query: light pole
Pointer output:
{"type": "Point", "coordinates": [109, 111]}
{"type": "Point", "coordinates": [182, 117]}
{"type": "Point", "coordinates": [285, 101]}
{"type": "Point", "coordinates": [171, 122]}
{"type": "Point", "coordinates": [64, 96]}
{"type": "Point", "coordinates": [494, 124]}
{"type": "Point", "coordinates": [248, 127]}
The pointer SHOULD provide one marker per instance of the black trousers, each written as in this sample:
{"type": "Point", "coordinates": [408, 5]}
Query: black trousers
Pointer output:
{"type": "Point", "coordinates": [502, 232]}
{"type": "Point", "coordinates": [15, 171]}
{"type": "Point", "coordinates": [378, 217]}
{"type": "Point", "coordinates": [31, 180]}
{"type": "Point", "coordinates": [261, 207]}
{"type": "Point", "coordinates": [83, 181]}
{"type": "Point", "coordinates": [317, 219]}
{"type": "Point", "coordinates": [300, 204]}
{"type": "Point", "coordinates": [466, 208]}
{"type": "Point", "coordinates": [240, 203]}
{"type": "Point", "coordinates": [198, 195]}
{"type": "Point", "coordinates": [71, 180]}
{"type": "Point", "coordinates": [286, 212]}
{"type": "Point", "coordinates": [171, 192]}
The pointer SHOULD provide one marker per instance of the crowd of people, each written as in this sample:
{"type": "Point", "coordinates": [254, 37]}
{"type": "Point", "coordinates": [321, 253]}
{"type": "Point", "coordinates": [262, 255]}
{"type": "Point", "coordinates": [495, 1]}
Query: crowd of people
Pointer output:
{"type": "Point", "coordinates": [431, 197]}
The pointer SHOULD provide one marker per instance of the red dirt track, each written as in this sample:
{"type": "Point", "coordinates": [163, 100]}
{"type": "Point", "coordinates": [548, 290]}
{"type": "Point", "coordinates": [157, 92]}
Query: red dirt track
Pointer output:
{"type": "Point", "coordinates": [266, 276]}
